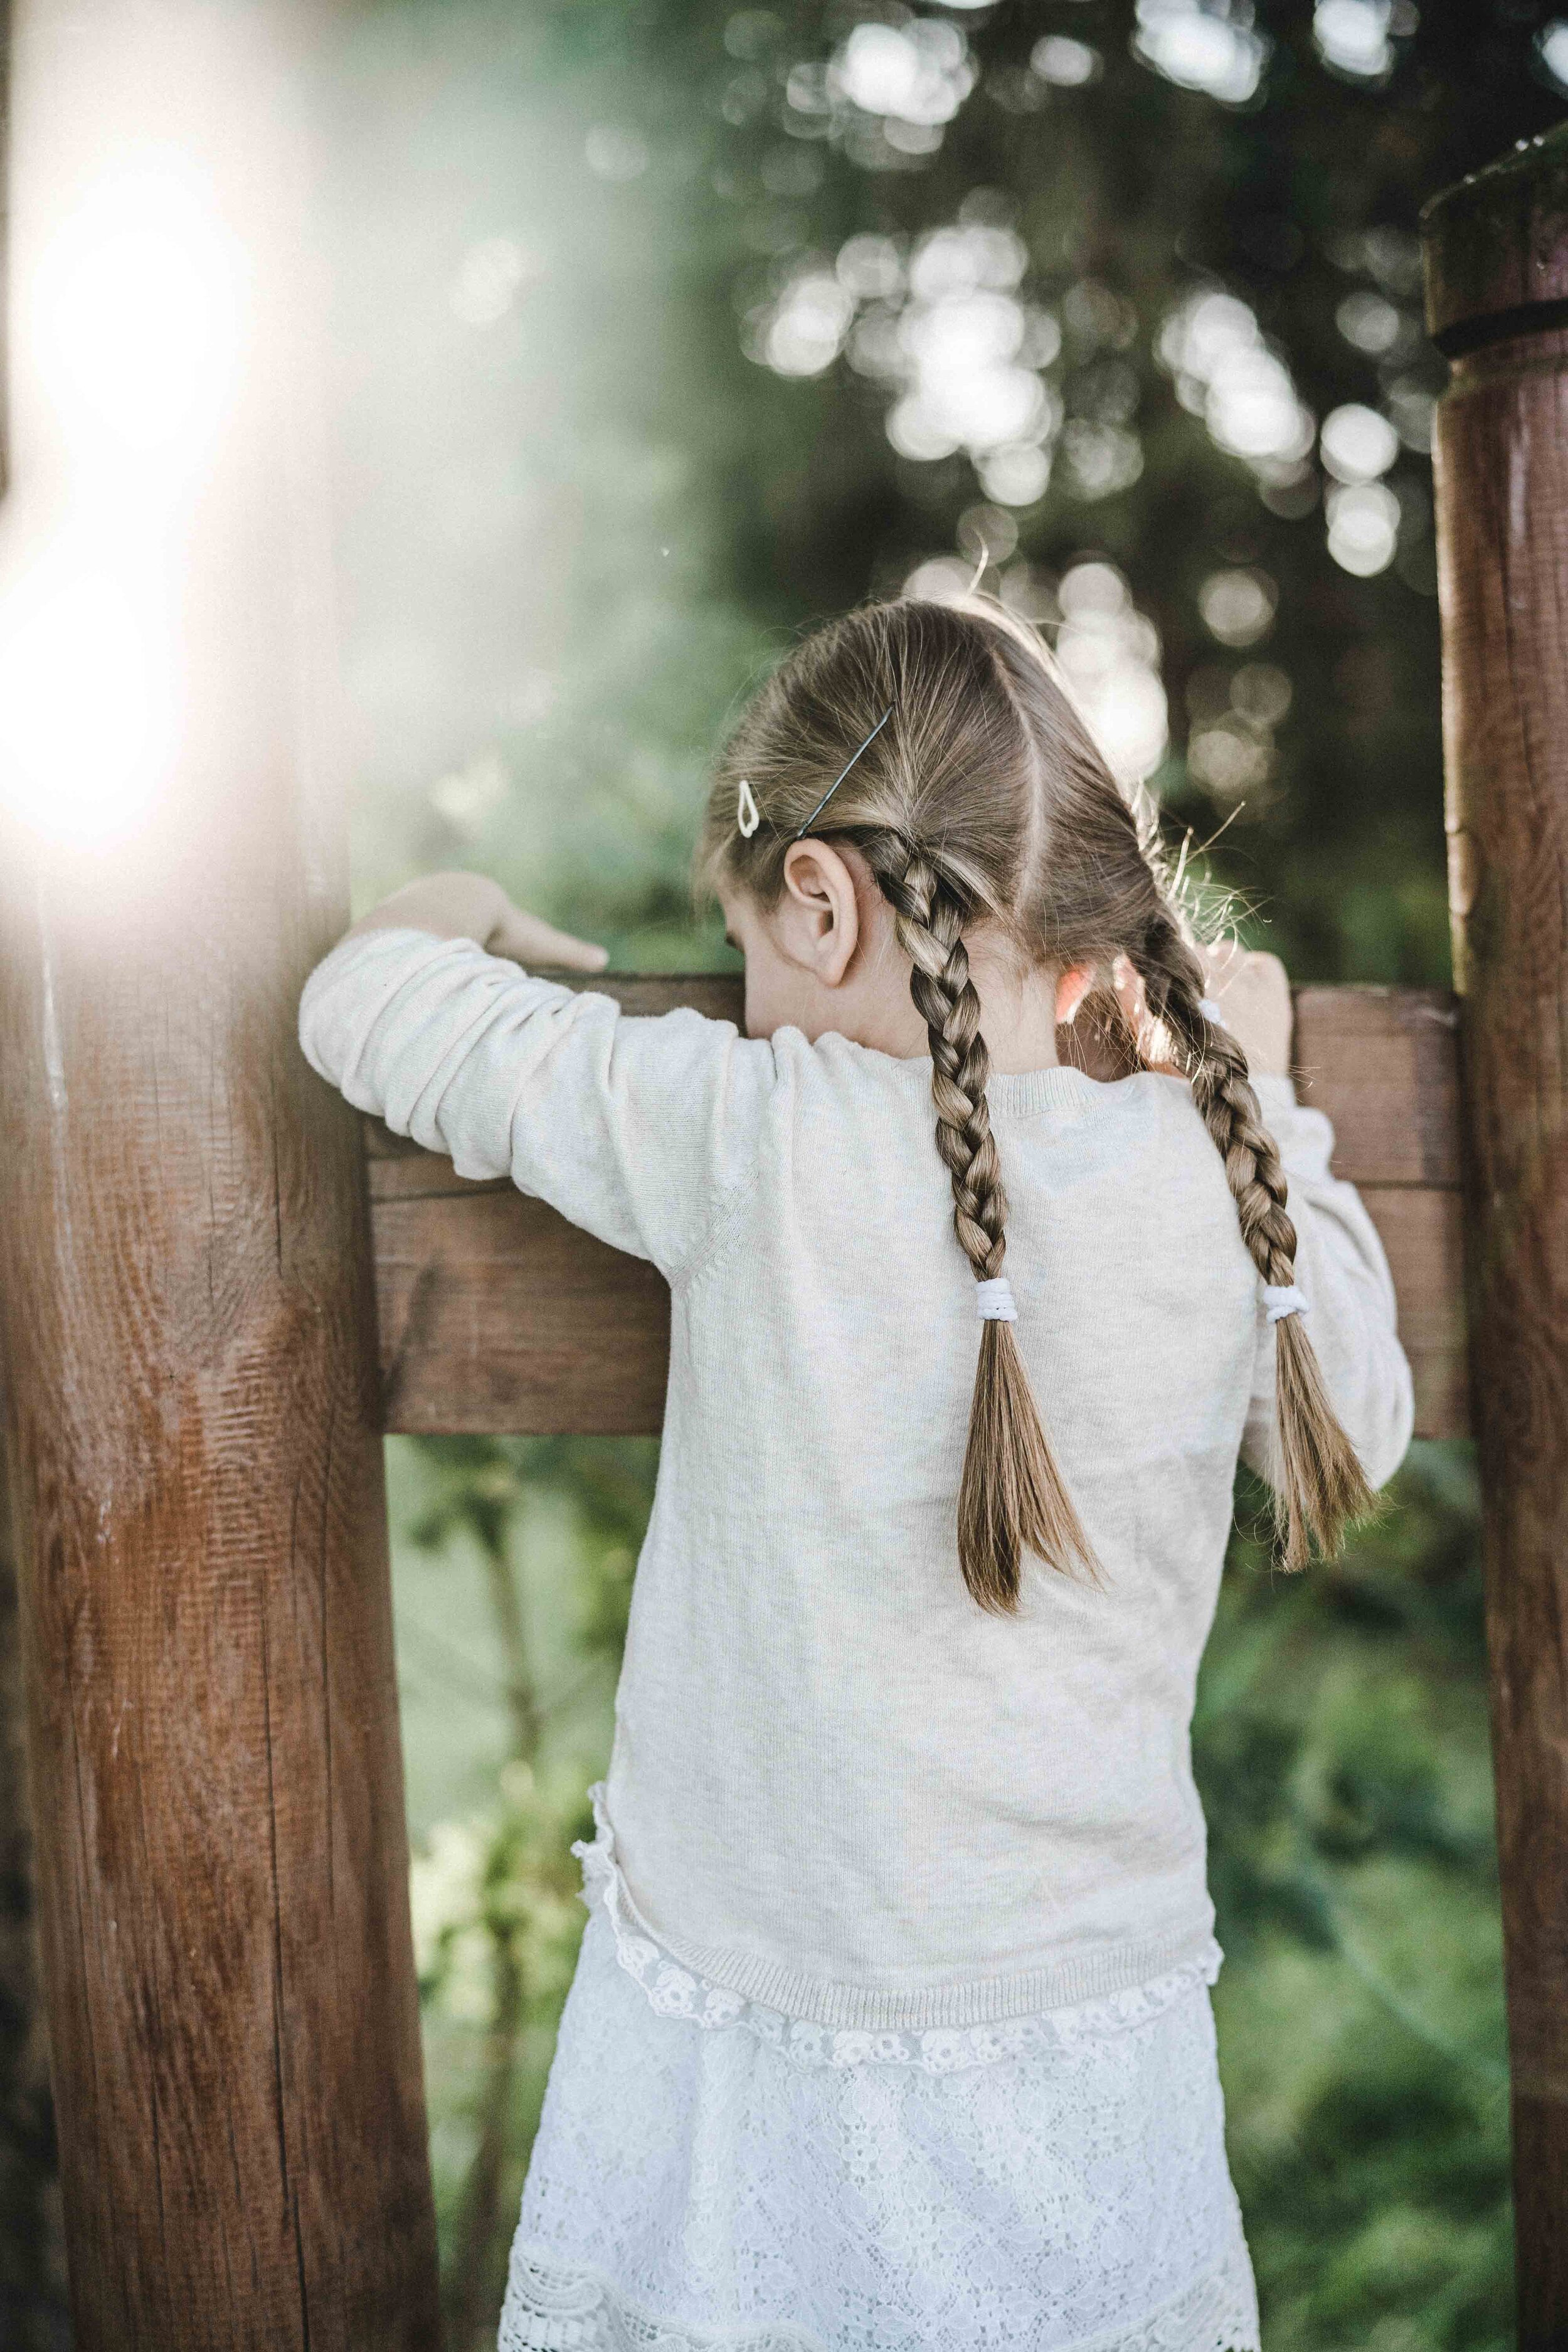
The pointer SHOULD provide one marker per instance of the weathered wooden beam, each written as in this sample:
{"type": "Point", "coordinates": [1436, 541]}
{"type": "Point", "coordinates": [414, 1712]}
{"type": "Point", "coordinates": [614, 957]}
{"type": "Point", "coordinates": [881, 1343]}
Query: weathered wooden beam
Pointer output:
{"type": "Point", "coordinates": [33, 2305]}
{"type": "Point", "coordinates": [1497, 265]}
{"type": "Point", "coordinates": [496, 1314]}
{"type": "Point", "coordinates": [187, 1308]}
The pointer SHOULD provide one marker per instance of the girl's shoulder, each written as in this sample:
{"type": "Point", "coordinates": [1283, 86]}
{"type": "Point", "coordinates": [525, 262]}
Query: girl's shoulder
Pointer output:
{"type": "Point", "coordinates": [1060, 1094]}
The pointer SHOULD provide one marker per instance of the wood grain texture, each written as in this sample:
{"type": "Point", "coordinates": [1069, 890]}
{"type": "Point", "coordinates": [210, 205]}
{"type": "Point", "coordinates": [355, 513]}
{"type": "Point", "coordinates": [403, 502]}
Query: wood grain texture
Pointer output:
{"type": "Point", "coordinates": [192, 1402]}
{"type": "Point", "coordinates": [1419, 1226]}
{"type": "Point", "coordinates": [1502, 457]}
{"type": "Point", "coordinates": [497, 1316]}
{"type": "Point", "coordinates": [1382, 1063]}
{"type": "Point", "coordinates": [34, 2314]}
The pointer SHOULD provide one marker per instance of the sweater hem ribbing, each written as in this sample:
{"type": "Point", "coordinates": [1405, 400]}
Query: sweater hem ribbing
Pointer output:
{"type": "Point", "coordinates": [983, 2000]}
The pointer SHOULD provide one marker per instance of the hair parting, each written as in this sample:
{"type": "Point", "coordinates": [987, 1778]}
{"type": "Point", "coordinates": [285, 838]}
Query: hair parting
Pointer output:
{"type": "Point", "coordinates": [977, 795]}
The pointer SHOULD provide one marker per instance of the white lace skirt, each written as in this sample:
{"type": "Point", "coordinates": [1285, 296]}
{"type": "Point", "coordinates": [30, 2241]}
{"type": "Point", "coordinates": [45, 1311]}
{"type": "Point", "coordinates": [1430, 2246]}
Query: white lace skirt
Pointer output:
{"type": "Point", "coordinates": [706, 2180]}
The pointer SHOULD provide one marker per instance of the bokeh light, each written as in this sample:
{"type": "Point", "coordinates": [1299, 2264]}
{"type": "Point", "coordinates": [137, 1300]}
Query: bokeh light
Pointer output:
{"type": "Point", "coordinates": [1210, 46]}
{"type": "Point", "coordinates": [1111, 652]}
{"type": "Point", "coordinates": [962, 353]}
{"type": "Point", "coordinates": [1363, 527]}
{"type": "Point", "coordinates": [1226, 371]}
{"type": "Point", "coordinates": [1357, 443]}
{"type": "Point", "coordinates": [1369, 322]}
{"type": "Point", "coordinates": [1238, 606]}
{"type": "Point", "coordinates": [919, 72]}
{"type": "Point", "coordinates": [1065, 63]}
{"type": "Point", "coordinates": [803, 333]}
{"type": "Point", "coordinates": [1353, 37]}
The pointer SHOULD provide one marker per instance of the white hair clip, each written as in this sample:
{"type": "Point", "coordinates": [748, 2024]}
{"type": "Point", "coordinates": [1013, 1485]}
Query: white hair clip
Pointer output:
{"type": "Point", "coordinates": [994, 1301]}
{"type": "Point", "coordinates": [748, 816]}
{"type": "Point", "coordinates": [1283, 1299]}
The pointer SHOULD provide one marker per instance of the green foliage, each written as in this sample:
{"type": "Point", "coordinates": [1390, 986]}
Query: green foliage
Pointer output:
{"type": "Point", "coordinates": [513, 1565]}
{"type": "Point", "coordinates": [1340, 1745]}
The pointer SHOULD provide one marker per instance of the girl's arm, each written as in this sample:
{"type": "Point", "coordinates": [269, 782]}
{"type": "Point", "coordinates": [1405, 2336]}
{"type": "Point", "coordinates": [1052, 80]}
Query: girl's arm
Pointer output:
{"type": "Point", "coordinates": [1340, 1262]}
{"type": "Point", "coordinates": [640, 1130]}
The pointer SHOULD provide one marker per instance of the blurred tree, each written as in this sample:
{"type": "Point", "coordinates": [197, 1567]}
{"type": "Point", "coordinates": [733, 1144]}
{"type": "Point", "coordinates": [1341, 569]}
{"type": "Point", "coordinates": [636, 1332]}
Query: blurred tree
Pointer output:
{"type": "Point", "coordinates": [1037, 283]}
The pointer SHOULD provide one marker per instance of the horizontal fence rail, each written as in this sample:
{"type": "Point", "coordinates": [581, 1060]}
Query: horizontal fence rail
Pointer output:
{"type": "Point", "coordinates": [498, 1317]}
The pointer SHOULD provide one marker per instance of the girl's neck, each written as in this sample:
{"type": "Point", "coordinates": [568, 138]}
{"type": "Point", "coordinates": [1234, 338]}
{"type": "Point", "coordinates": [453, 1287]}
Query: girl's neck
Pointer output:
{"type": "Point", "coordinates": [1017, 1011]}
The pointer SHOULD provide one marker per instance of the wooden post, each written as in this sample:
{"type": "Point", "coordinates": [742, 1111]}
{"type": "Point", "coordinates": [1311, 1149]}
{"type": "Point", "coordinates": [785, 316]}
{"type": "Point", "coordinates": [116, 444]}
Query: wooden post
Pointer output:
{"type": "Point", "coordinates": [186, 1320]}
{"type": "Point", "coordinates": [1496, 259]}
{"type": "Point", "coordinates": [32, 2253]}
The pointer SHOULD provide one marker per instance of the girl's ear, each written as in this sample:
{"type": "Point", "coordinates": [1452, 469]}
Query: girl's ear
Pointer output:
{"type": "Point", "coordinates": [1071, 989]}
{"type": "Point", "coordinates": [820, 915]}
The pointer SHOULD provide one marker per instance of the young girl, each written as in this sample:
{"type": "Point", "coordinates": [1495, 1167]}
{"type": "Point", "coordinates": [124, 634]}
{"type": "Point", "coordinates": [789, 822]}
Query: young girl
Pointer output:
{"type": "Point", "coordinates": [890, 2030]}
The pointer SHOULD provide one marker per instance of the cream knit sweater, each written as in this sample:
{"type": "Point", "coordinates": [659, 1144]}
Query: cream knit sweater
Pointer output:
{"type": "Point", "coordinates": [838, 1788]}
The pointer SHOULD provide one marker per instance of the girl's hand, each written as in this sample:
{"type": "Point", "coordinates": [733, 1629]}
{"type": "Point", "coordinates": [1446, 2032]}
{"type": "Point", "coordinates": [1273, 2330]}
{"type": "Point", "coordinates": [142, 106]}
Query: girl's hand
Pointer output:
{"type": "Point", "coordinates": [470, 907]}
{"type": "Point", "coordinates": [1253, 993]}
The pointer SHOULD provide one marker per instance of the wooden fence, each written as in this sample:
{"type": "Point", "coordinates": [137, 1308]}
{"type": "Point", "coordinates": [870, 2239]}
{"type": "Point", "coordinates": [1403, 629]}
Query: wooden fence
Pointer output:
{"type": "Point", "coordinates": [497, 1315]}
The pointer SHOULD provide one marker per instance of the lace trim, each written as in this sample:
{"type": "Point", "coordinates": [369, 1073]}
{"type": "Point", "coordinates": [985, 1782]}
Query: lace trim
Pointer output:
{"type": "Point", "coordinates": [555, 2307]}
{"type": "Point", "coordinates": [676, 1991]}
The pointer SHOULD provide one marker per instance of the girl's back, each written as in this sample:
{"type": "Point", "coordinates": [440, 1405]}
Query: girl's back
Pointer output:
{"type": "Point", "coordinates": [837, 1785]}
{"type": "Point", "coordinates": [918, 1812]}
{"type": "Point", "coordinates": [901, 1786]}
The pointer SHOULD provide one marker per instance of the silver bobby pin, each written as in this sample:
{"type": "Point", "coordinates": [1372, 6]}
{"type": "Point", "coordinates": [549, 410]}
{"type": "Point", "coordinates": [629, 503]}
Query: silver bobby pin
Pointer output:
{"type": "Point", "coordinates": [843, 772]}
{"type": "Point", "coordinates": [748, 816]}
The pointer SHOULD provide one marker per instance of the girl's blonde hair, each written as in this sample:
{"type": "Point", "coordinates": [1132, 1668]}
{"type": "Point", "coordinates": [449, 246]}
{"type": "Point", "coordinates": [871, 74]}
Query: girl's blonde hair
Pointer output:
{"type": "Point", "coordinates": [984, 799]}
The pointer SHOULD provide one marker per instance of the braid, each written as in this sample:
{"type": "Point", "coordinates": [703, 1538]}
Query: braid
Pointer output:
{"type": "Point", "coordinates": [1321, 1486]}
{"type": "Point", "coordinates": [929, 929]}
{"type": "Point", "coordinates": [1011, 1498]}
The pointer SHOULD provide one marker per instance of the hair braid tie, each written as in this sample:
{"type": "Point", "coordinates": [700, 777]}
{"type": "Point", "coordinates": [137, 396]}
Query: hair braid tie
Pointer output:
{"type": "Point", "coordinates": [1283, 1299]}
{"type": "Point", "coordinates": [995, 1302]}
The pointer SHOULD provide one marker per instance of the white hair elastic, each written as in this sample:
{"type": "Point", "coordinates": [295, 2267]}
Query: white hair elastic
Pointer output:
{"type": "Point", "coordinates": [1211, 1011]}
{"type": "Point", "coordinates": [748, 816]}
{"type": "Point", "coordinates": [1283, 1299]}
{"type": "Point", "coordinates": [994, 1301]}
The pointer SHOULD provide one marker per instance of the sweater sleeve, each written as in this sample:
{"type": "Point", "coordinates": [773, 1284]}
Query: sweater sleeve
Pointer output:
{"type": "Point", "coordinates": [1342, 1269]}
{"type": "Point", "coordinates": [640, 1130]}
